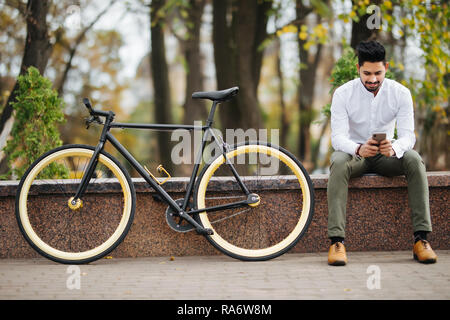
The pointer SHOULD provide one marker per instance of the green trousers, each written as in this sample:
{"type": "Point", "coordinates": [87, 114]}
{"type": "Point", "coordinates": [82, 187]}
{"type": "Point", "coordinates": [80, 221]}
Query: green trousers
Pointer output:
{"type": "Point", "coordinates": [344, 166]}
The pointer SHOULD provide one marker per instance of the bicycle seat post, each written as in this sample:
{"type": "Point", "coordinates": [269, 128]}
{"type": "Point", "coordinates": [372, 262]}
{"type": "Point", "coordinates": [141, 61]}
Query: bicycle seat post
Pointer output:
{"type": "Point", "coordinates": [210, 119]}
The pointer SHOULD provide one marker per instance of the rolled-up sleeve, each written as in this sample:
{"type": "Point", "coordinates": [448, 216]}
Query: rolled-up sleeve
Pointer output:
{"type": "Point", "coordinates": [340, 126]}
{"type": "Point", "coordinates": [405, 124]}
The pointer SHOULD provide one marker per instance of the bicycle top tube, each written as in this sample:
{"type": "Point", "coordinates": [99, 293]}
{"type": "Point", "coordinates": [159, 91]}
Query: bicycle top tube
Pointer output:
{"type": "Point", "coordinates": [216, 96]}
{"type": "Point", "coordinates": [156, 126]}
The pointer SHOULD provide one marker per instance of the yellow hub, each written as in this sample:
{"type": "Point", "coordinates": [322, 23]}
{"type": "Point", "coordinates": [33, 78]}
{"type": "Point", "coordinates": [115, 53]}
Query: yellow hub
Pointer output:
{"type": "Point", "coordinates": [254, 197]}
{"type": "Point", "coordinates": [75, 205]}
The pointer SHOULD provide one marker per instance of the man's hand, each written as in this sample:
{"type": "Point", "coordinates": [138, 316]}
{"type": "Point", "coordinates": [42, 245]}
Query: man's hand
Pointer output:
{"type": "Point", "coordinates": [386, 148]}
{"type": "Point", "coordinates": [369, 149]}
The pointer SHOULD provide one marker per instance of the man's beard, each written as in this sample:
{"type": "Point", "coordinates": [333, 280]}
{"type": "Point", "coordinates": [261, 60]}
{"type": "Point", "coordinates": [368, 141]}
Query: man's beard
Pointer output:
{"type": "Point", "coordinates": [374, 88]}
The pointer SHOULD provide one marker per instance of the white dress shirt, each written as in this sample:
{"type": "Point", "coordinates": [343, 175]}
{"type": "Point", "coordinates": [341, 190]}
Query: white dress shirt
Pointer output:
{"type": "Point", "coordinates": [356, 114]}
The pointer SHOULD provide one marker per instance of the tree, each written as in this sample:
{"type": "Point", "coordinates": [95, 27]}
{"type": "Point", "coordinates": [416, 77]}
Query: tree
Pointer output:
{"type": "Point", "coordinates": [238, 57]}
{"type": "Point", "coordinates": [431, 93]}
{"type": "Point", "coordinates": [72, 46]}
{"type": "Point", "coordinates": [161, 83]}
{"type": "Point", "coordinates": [284, 121]}
{"type": "Point", "coordinates": [43, 47]}
{"type": "Point", "coordinates": [36, 53]}
{"type": "Point", "coordinates": [191, 13]}
{"type": "Point", "coordinates": [307, 75]}
{"type": "Point", "coordinates": [11, 51]}
{"type": "Point", "coordinates": [38, 113]}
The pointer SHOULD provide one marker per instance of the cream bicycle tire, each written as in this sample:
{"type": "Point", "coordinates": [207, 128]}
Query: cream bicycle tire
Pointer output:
{"type": "Point", "coordinates": [301, 224]}
{"type": "Point", "coordinates": [24, 199]}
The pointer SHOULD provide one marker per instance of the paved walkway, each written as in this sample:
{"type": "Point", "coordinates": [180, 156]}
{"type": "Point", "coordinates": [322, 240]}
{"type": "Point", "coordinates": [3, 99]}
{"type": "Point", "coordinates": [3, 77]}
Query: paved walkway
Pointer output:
{"type": "Point", "coordinates": [369, 275]}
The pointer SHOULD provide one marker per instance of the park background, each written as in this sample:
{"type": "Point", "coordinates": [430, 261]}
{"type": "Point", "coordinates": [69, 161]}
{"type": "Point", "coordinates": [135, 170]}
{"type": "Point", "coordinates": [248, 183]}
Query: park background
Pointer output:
{"type": "Point", "coordinates": [143, 59]}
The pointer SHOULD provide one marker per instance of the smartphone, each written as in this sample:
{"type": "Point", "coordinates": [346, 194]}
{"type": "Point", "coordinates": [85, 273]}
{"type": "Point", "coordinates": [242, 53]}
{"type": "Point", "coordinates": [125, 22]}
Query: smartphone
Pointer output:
{"type": "Point", "coordinates": [379, 137]}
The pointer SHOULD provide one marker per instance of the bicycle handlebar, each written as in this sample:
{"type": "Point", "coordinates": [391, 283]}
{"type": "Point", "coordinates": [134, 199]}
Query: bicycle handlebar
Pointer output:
{"type": "Point", "coordinates": [93, 112]}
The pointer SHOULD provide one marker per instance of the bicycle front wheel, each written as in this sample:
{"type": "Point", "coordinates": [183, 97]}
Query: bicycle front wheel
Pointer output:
{"type": "Point", "coordinates": [269, 228]}
{"type": "Point", "coordinates": [68, 233]}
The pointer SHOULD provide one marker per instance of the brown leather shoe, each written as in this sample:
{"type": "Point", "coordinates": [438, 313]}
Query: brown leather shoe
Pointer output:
{"type": "Point", "coordinates": [423, 253]}
{"type": "Point", "coordinates": [337, 255]}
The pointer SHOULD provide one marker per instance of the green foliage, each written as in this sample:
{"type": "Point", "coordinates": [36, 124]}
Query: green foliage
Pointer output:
{"type": "Point", "coordinates": [345, 70]}
{"type": "Point", "coordinates": [38, 111]}
{"type": "Point", "coordinates": [427, 22]}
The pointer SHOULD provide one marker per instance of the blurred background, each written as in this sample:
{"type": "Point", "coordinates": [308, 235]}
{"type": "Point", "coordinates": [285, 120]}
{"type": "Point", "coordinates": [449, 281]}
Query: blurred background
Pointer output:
{"type": "Point", "coordinates": [144, 58]}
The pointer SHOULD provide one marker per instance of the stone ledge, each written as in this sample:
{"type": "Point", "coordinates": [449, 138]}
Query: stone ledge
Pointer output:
{"type": "Point", "coordinates": [178, 184]}
{"type": "Point", "coordinates": [368, 181]}
{"type": "Point", "coordinates": [378, 218]}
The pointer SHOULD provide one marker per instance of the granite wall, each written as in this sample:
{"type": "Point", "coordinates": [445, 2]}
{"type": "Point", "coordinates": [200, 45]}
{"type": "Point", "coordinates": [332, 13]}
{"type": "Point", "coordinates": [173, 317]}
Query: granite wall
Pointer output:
{"type": "Point", "coordinates": [378, 218]}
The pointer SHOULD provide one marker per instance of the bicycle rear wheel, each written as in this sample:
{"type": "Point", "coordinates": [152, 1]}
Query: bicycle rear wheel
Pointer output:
{"type": "Point", "coordinates": [283, 214]}
{"type": "Point", "coordinates": [79, 233]}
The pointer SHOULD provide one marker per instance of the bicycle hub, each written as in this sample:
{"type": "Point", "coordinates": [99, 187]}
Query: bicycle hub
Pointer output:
{"type": "Point", "coordinates": [75, 204]}
{"type": "Point", "coordinates": [253, 200]}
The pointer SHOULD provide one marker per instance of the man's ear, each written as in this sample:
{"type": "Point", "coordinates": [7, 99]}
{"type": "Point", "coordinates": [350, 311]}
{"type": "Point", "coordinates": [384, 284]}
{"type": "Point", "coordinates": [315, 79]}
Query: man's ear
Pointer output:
{"type": "Point", "coordinates": [386, 65]}
{"type": "Point", "coordinates": [357, 67]}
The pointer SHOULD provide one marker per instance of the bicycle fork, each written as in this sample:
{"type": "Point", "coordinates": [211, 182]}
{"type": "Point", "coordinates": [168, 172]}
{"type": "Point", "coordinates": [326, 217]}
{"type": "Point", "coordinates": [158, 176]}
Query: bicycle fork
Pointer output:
{"type": "Point", "coordinates": [75, 202]}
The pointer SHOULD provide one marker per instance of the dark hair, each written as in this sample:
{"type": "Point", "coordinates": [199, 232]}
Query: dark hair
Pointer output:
{"type": "Point", "coordinates": [371, 51]}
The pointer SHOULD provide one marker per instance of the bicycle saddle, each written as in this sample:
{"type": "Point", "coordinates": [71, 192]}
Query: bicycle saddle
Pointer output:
{"type": "Point", "coordinates": [222, 95]}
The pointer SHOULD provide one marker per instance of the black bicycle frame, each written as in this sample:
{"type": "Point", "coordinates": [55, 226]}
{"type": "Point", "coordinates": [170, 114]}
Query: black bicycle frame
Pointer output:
{"type": "Point", "coordinates": [207, 129]}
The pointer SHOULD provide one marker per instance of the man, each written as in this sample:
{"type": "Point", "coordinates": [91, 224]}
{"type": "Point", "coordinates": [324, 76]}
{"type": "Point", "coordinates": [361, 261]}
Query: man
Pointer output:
{"type": "Point", "coordinates": [366, 105]}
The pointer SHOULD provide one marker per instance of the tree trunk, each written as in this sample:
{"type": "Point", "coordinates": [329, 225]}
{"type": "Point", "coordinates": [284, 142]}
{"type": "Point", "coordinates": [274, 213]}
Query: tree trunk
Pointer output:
{"type": "Point", "coordinates": [307, 76]}
{"type": "Point", "coordinates": [238, 58]}
{"type": "Point", "coordinates": [194, 110]}
{"type": "Point", "coordinates": [306, 98]}
{"type": "Point", "coordinates": [161, 86]}
{"type": "Point", "coordinates": [225, 61]}
{"type": "Point", "coordinates": [284, 121]}
{"type": "Point", "coordinates": [36, 53]}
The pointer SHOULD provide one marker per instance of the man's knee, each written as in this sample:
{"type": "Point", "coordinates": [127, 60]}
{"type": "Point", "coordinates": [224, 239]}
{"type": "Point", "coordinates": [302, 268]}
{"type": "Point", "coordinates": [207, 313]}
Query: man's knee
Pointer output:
{"type": "Point", "coordinates": [413, 160]}
{"type": "Point", "coordinates": [339, 161]}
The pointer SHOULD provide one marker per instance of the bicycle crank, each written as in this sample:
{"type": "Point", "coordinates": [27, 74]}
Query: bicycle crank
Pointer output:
{"type": "Point", "coordinates": [175, 221]}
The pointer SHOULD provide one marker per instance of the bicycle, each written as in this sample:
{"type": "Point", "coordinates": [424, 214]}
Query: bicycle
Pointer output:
{"type": "Point", "coordinates": [63, 216]}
